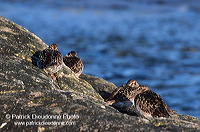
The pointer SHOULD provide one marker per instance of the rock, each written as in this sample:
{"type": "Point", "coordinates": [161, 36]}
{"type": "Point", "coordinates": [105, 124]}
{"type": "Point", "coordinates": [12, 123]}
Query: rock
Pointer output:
{"type": "Point", "coordinates": [31, 101]}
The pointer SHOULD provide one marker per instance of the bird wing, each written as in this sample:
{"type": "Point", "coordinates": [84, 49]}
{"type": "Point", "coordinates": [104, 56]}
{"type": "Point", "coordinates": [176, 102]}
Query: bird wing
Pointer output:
{"type": "Point", "coordinates": [115, 92]}
{"type": "Point", "coordinates": [150, 104]}
{"type": "Point", "coordinates": [74, 63]}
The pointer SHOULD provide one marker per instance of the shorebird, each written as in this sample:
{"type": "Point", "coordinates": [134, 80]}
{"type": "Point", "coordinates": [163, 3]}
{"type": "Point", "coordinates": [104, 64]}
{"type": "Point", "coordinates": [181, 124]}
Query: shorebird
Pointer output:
{"type": "Point", "coordinates": [50, 60]}
{"type": "Point", "coordinates": [124, 92]}
{"type": "Point", "coordinates": [73, 62]}
{"type": "Point", "coordinates": [147, 103]}
{"type": "Point", "coordinates": [121, 97]}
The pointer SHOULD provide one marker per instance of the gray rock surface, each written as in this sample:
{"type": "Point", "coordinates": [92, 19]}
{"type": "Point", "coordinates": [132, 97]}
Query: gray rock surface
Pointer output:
{"type": "Point", "coordinates": [66, 104]}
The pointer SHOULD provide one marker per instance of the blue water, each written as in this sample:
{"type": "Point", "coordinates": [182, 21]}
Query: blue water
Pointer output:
{"type": "Point", "coordinates": [156, 43]}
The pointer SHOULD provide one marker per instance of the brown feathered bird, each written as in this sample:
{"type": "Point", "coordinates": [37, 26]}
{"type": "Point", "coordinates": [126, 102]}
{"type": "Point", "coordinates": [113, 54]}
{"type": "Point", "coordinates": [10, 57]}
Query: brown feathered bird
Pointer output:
{"type": "Point", "coordinates": [146, 102]}
{"type": "Point", "coordinates": [124, 92]}
{"type": "Point", "coordinates": [50, 60]}
{"type": "Point", "coordinates": [149, 104]}
{"type": "Point", "coordinates": [74, 63]}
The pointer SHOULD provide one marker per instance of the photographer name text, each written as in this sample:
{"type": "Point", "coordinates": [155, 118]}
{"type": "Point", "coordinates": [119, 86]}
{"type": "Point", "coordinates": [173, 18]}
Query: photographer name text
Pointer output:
{"type": "Point", "coordinates": [44, 117]}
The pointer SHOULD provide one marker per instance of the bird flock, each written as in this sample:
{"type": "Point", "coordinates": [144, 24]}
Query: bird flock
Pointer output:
{"type": "Point", "coordinates": [146, 103]}
{"type": "Point", "coordinates": [51, 61]}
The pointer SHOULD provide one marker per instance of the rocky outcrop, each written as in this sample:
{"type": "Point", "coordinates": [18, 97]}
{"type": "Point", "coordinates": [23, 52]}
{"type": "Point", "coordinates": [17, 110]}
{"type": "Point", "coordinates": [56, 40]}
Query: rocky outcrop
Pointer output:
{"type": "Point", "coordinates": [31, 100]}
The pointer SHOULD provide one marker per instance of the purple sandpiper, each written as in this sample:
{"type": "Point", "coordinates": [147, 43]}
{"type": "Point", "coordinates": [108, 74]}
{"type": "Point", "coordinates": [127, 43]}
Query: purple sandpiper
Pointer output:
{"type": "Point", "coordinates": [147, 103]}
{"type": "Point", "coordinates": [50, 60]}
{"type": "Point", "coordinates": [74, 63]}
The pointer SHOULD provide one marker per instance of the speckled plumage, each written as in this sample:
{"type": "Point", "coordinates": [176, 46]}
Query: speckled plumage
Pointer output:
{"type": "Point", "coordinates": [149, 104]}
{"type": "Point", "coordinates": [73, 62]}
{"type": "Point", "coordinates": [124, 92]}
{"type": "Point", "coordinates": [146, 102]}
{"type": "Point", "coordinates": [50, 60]}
